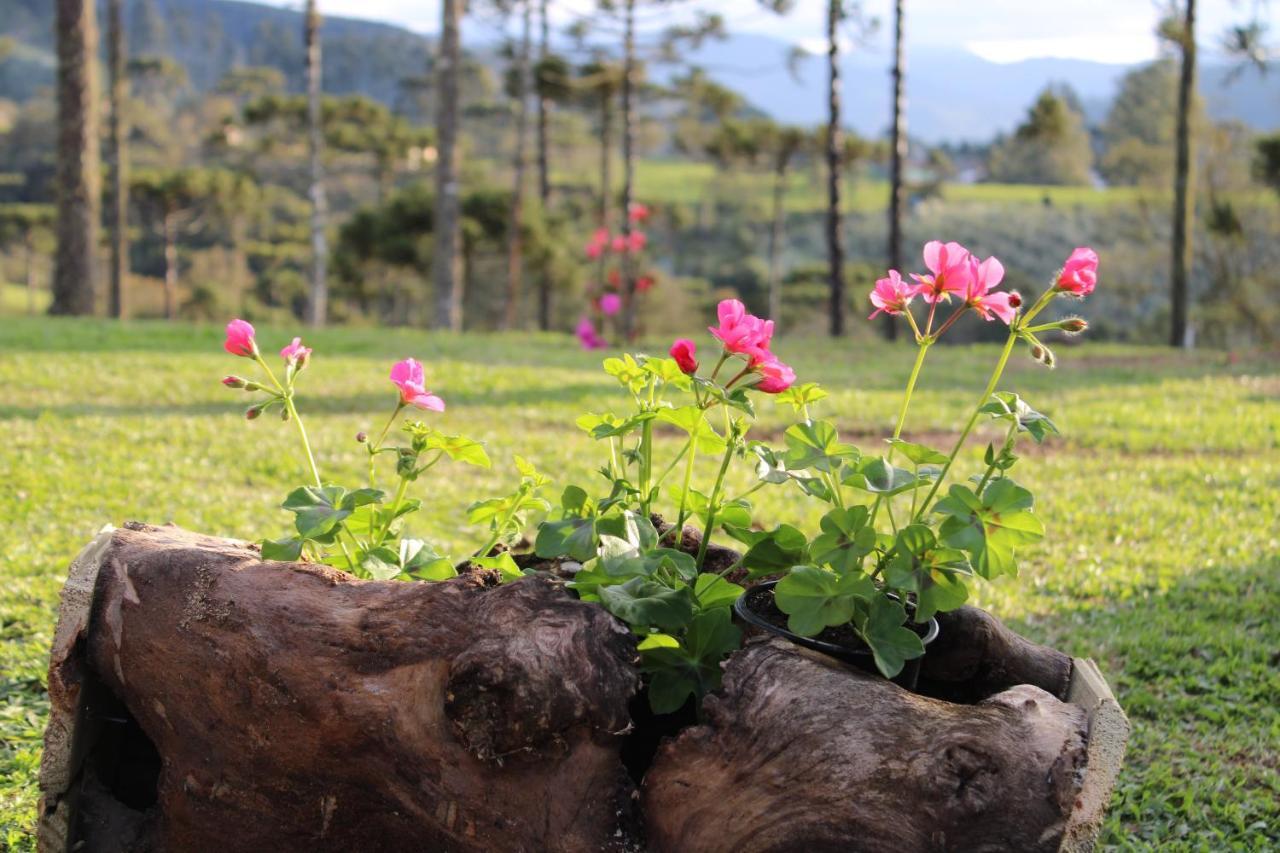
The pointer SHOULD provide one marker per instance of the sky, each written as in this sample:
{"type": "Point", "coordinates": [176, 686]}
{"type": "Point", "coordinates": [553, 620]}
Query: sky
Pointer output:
{"type": "Point", "coordinates": [1114, 31]}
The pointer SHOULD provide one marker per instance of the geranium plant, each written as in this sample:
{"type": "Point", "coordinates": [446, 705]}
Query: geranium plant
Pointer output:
{"type": "Point", "coordinates": [893, 547]}
{"type": "Point", "coordinates": [361, 529]}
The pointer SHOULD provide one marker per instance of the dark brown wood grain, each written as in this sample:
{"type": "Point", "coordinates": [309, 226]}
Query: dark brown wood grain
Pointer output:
{"type": "Point", "coordinates": [801, 753]}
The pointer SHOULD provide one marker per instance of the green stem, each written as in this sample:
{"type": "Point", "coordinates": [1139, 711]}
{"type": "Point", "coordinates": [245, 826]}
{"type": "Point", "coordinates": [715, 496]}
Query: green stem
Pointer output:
{"type": "Point", "coordinates": [973, 419]}
{"type": "Point", "coordinates": [991, 469]}
{"type": "Point", "coordinates": [395, 507]}
{"type": "Point", "coordinates": [711, 505]}
{"type": "Point", "coordinates": [921, 351]}
{"type": "Point", "coordinates": [377, 445]}
{"type": "Point", "coordinates": [684, 491]}
{"type": "Point", "coordinates": [302, 434]}
{"type": "Point", "coordinates": [646, 466]}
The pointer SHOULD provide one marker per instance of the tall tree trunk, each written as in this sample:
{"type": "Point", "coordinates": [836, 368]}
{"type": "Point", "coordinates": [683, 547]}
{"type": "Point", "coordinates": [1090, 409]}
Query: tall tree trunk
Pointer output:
{"type": "Point", "coordinates": [446, 258]}
{"type": "Point", "coordinates": [169, 233]}
{"type": "Point", "coordinates": [75, 267]}
{"type": "Point", "coordinates": [898, 156]}
{"type": "Point", "coordinates": [1183, 198]}
{"type": "Point", "coordinates": [515, 237]}
{"type": "Point", "coordinates": [29, 243]}
{"type": "Point", "coordinates": [544, 169]}
{"type": "Point", "coordinates": [318, 308]}
{"type": "Point", "coordinates": [628, 166]}
{"type": "Point", "coordinates": [118, 216]}
{"type": "Point", "coordinates": [606, 159]}
{"type": "Point", "coordinates": [835, 219]}
{"type": "Point", "coordinates": [775, 240]}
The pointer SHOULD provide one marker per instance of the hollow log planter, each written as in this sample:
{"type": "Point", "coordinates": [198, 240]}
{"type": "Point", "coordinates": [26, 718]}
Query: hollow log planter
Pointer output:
{"type": "Point", "coordinates": [203, 699]}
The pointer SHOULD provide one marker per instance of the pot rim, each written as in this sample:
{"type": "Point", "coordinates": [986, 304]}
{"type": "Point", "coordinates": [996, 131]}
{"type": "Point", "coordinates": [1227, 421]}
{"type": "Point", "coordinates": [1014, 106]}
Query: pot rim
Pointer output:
{"type": "Point", "coordinates": [747, 614]}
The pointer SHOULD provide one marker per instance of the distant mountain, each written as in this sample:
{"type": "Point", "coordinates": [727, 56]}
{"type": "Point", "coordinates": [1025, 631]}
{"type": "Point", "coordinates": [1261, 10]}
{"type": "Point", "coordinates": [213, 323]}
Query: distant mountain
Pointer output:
{"type": "Point", "coordinates": [952, 94]}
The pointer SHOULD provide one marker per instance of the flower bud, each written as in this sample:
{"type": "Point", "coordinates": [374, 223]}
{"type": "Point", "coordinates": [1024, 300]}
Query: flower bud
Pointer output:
{"type": "Point", "coordinates": [1015, 299]}
{"type": "Point", "coordinates": [362, 436]}
{"type": "Point", "coordinates": [234, 382]}
{"type": "Point", "coordinates": [284, 413]}
{"type": "Point", "coordinates": [253, 412]}
{"type": "Point", "coordinates": [1073, 325]}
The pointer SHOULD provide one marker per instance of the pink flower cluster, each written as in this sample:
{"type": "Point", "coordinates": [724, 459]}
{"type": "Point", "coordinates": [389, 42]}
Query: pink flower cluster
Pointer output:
{"type": "Point", "coordinates": [588, 336]}
{"type": "Point", "coordinates": [745, 335]}
{"type": "Point", "coordinates": [954, 270]}
{"type": "Point", "coordinates": [620, 244]}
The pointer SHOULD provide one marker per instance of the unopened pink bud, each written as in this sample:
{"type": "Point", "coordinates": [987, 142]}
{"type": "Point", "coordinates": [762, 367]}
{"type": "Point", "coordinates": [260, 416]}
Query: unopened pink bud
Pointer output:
{"type": "Point", "coordinates": [233, 382]}
{"type": "Point", "coordinates": [362, 436]}
{"type": "Point", "coordinates": [252, 413]}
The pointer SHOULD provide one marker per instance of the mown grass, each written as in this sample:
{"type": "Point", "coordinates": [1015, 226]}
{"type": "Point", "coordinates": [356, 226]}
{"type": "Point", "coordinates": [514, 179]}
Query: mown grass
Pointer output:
{"type": "Point", "coordinates": [1161, 501]}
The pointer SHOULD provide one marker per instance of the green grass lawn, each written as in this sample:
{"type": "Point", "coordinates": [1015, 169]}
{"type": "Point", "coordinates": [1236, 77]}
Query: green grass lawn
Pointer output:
{"type": "Point", "coordinates": [1162, 559]}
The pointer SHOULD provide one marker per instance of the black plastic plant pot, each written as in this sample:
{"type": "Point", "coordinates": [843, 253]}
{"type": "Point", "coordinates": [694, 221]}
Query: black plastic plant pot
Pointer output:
{"type": "Point", "coordinates": [748, 607]}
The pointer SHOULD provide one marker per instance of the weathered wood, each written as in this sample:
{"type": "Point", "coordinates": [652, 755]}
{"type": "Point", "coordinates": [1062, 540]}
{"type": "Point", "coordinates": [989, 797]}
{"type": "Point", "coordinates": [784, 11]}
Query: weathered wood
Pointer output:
{"type": "Point", "coordinates": [976, 656]}
{"type": "Point", "coordinates": [202, 698]}
{"type": "Point", "coordinates": [800, 752]}
{"type": "Point", "coordinates": [293, 707]}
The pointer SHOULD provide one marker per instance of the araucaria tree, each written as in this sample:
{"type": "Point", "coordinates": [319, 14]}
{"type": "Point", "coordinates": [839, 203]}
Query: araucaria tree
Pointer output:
{"type": "Point", "coordinates": [897, 156]}
{"type": "Point", "coordinates": [1183, 33]}
{"type": "Point", "coordinates": [117, 155]}
{"type": "Point", "coordinates": [446, 262]}
{"type": "Point", "coordinates": [835, 218]}
{"type": "Point", "coordinates": [523, 85]}
{"type": "Point", "coordinates": [318, 307]}
{"type": "Point", "coordinates": [75, 267]}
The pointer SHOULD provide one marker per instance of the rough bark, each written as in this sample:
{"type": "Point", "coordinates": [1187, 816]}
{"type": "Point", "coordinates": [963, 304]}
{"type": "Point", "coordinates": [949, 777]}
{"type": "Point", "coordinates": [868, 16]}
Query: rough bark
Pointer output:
{"type": "Point", "coordinates": [78, 178]}
{"type": "Point", "coordinates": [446, 258]}
{"type": "Point", "coordinates": [118, 216]}
{"type": "Point", "coordinates": [1183, 198]}
{"type": "Point", "coordinates": [835, 138]}
{"type": "Point", "coordinates": [318, 307]}
{"type": "Point", "coordinates": [897, 158]}
{"type": "Point", "coordinates": [799, 752]}
{"type": "Point", "coordinates": [311, 711]}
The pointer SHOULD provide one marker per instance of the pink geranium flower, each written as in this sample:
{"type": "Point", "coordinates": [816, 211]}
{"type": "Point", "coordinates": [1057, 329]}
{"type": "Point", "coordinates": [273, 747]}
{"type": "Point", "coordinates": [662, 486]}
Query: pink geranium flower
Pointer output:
{"type": "Point", "coordinates": [596, 245]}
{"type": "Point", "coordinates": [981, 296]}
{"type": "Point", "coordinates": [619, 245]}
{"type": "Point", "coordinates": [240, 339]}
{"type": "Point", "coordinates": [407, 375]}
{"type": "Point", "coordinates": [777, 377]}
{"type": "Point", "coordinates": [638, 212]}
{"type": "Point", "coordinates": [588, 336]}
{"type": "Point", "coordinates": [891, 295]}
{"type": "Point", "coordinates": [1080, 273]}
{"type": "Point", "coordinates": [296, 352]}
{"type": "Point", "coordinates": [684, 351]}
{"type": "Point", "coordinates": [743, 333]}
{"type": "Point", "coordinates": [950, 271]}
{"type": "Point", "coordinates": [637, 241]}
{"type": "Point", "coordinates": [610, 304]}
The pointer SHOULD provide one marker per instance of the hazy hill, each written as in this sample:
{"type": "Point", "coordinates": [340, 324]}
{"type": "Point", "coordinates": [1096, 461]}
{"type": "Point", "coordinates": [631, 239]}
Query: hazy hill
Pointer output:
{"type": "Point", "coordinates": [953, 94]}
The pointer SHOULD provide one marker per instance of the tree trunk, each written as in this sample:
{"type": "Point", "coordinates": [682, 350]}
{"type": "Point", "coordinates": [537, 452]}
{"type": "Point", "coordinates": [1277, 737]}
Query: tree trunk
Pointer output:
{"type": "Point", "coordinates": [318, 308]}
{"type": "Point", "coordinates": [775, 241]}
{"type": "Point", "coordinates": [168, 232]}
{"type": "Point", "coordinates": [78, 179]}
{"type": "Point", "coordinates": [520, 159]}
{"type": "Point", "coordinates": [118, 216]}
{"type": "Point", "coordinates": [835, 137]}
{"type": "Point", "coordinates": [29, 272]}
{"type": "Point", "coordinates": [606, 160]}
{"type": "Point", "coordinates": [1183, 197]}
{"type": "Point", "coordinates": [239, 264]}
{"type": "Point", "coordinates": [898, 156]}
{"type": "Point", "coordinates": [445, 259]}
{"type": "Point", "coordinates": [628, 166]}
{"type": "Point", "coordinates": [799, 752]}
{"type": "Point", "coordinates": [544, 167]}
{"type": "Point", "coordinates": [201, 698]}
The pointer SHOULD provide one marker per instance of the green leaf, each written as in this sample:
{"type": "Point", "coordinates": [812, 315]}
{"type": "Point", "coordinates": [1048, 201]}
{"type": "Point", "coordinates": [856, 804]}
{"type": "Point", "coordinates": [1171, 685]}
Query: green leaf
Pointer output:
{"type": "Point", "coordinates": [569, 537]}
{"type": "Point", "coordinates": [645, 603]}
{"type": "Point", "coordinates": [693, 668]}
{"type": "Point", "coordinates": [815, 444]}
{"type": "Point", "coordinates": [934, 574]}
{"type": "Point", "coordinates": [483, 512]}
{"type": "Point", "coordinates": [990, 527]}
{"type": "Point", "coordinates": [459, 448]}
{"type": "Point", "coordinates": [363, 497]}
{"type": "Point", "coordinates": [1009, 406]}
{"type": "Point", "coordinates": [693, 420]}
{"type": "Point", "coordinates": [845, 539]}
{"type": "Point", "coordinates": [877, 475]}
{"type": "Point", "coordinates": [419, 560]}
{"type": "Point", "coordinates": [503, 563]}
{"type": "Point", "coordinates": [317, 511]}
{"type": "Point", "coordinates": [285, 550]}
{"type": "Point", "coordinates": [891, 642]}
{"type": "Point", "coordinates": [575, 501]}
{"type": "Point", "coordinates": [774, 551]}
{"type": "Point", "coordinates": [668, 372]}
{"type": "Point", "coordinates": [814, 598]}
{"type": "Point", "coordinates": [627, 371]}
{"type": "Point", "coordinates": [658, 641]}
{"type": "Point", "coordinates": [381, 564]}
{"type": "Point", "coordinates": [918, 454]}
{"type": "Point", "coordinates": [371, 518]}
{"type": "Point", "coordinates": [714, 591]}
{"type": "Point", "coordinates": [801, 396]}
